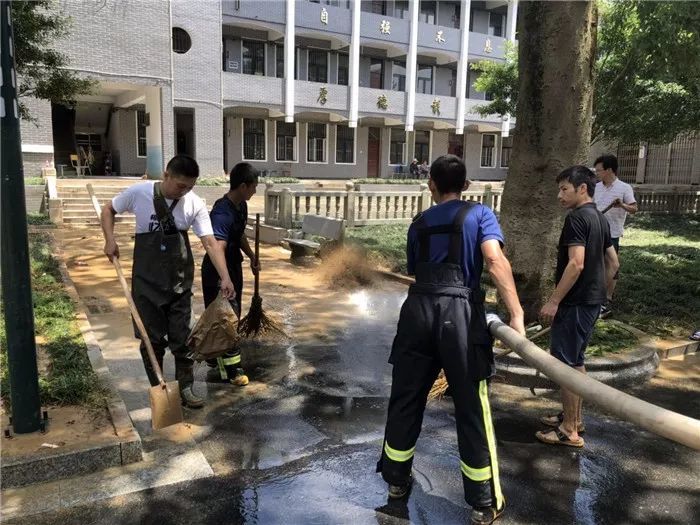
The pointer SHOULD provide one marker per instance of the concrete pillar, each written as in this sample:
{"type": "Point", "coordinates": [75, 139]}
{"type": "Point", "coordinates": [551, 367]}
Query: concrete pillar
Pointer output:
{"type": "Point", "coordinates": [411, 67]}
{"type": "Point", "coordinates": [289, 56]}
{"type": "Point", "coordinates": [641, 164]}
{"type": "Point", "coordinates": [154, 136]}
{"type": "Point", "coordinates": [354, 66]}
{"type": "Point", "coordinates": [511, 23]}
{"type": "Point", "coordinates": [463, 67]}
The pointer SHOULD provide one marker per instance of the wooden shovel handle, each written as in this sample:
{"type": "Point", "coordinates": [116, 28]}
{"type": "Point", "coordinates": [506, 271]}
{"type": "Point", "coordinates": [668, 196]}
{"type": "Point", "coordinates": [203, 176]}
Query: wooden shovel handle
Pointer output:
{"type": "Point", "coordinates": [130, 300]}
{"type": "Point", "coordinates": [608, 208]}
{"type": "Point", "coordinates": [257, 253]}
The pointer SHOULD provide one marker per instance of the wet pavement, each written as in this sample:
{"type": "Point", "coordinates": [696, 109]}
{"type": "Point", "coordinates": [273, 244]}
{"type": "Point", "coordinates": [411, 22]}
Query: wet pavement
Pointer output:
{"type": "Point", "coordinates": [299, 444]}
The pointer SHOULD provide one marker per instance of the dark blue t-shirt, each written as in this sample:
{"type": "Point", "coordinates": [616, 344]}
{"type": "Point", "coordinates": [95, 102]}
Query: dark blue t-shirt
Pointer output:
{"type": "Point", "coordinates": [228, 222]}
{"type": "Point", "coordinates": [480, 224]}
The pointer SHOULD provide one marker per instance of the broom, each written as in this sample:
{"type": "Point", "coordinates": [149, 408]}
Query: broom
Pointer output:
{"type": "Point", "coordinates": [256, 321]}
{"type": "Point", "coordinates": [440, 386]}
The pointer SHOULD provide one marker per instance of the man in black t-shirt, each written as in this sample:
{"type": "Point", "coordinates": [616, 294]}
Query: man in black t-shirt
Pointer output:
{"type": "Point", "coordinates": [586, 263]}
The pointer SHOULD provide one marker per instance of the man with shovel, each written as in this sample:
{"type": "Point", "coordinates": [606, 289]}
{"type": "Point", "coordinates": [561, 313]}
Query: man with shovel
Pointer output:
{"type": "Point", "coordinates": [163, 268]}
{"type": "Point", "coordinates": [229, 217]}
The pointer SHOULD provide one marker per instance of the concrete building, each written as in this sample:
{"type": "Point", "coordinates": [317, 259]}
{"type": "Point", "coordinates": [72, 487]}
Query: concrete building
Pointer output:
{"type": "Point", "coordinates": [304, 88]}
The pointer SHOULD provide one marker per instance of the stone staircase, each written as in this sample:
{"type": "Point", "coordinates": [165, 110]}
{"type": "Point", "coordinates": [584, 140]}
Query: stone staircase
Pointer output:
{"type": "Point", "coordinates": [77, 206]}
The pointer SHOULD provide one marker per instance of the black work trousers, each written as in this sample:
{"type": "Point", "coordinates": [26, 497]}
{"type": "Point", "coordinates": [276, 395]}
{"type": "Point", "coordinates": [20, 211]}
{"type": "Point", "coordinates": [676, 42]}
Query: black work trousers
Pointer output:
{"type": "Point", "coordinates": [433, 333]}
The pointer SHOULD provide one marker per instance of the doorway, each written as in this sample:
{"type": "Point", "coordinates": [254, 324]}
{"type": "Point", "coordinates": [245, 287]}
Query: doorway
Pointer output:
{"type": "Point", "coordinates": [184, 132]}
{"type": "Point", "coordinates": [373, 152]}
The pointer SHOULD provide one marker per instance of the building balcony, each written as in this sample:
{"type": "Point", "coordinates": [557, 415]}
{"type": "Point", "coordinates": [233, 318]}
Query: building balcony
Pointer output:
{"type": "Point", "coordinates": [311, 16]}
{"type": "Point", "coordinates": [273, 12]}
{"type": "Point", "coordinates": [308, 96]}
{"type": "Point", "coordinates": [395, 102]}
{"type": "Point", "coordinates": [483, 46]}
{"type": "Point", "coordinates": [385, 29]}
{"type": "Point", "coordinates": [439, 38]}
{"type": "Point", "coordinates": [239, 89]}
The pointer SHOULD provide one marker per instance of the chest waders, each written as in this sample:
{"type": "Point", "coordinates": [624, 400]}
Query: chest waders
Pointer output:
{"type": "Point", "coordinates": [443, 325]}
{"type": "Point", "coordinates": [162, 277]}
{"type": "Point", "coordinates": [228, 364]}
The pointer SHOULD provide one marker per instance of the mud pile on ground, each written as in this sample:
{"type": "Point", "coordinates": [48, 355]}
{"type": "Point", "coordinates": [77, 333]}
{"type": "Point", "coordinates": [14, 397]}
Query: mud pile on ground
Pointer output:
{"type": "Point", "coordinates": [347, 267]}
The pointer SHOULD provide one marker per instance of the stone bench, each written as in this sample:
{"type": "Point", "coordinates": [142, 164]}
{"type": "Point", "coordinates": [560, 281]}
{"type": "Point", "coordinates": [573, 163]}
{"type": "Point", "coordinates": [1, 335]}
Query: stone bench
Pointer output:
{"type": "Point", "coordinates": [315, 226]}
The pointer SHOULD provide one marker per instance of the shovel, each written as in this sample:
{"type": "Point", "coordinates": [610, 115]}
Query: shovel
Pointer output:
{"type": "Point", "coordinates": [166, 404]}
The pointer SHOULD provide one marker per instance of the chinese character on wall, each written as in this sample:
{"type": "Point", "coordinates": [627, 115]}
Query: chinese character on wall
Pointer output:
{"type": "Point", "coordinates": [488, 48]}
{"type": "Point", "coordinates": [439, 38]}
{"type": "Point", "coordinates": [385, 27]}
{"type": "Point", "coordinates": [324, 16]}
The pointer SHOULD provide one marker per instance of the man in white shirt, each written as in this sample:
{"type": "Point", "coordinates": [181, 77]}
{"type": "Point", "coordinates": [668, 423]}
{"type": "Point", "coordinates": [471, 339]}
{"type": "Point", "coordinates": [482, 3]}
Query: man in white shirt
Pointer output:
{"type": "Point", "coordinates": [611, 190]}
{"type": "Point", "coordinates": [163, 268]}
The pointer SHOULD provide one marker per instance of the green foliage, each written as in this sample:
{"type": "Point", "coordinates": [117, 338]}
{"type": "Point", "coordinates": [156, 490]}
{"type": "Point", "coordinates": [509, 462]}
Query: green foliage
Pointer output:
{"type": "Point", "coordinates": [500, 80]}
{"type": "Point", "coordinates": [33, 181]}
{"type": "Point", "coordinates": [38, 219]}
{"type": "Point", "coordinates": [386, 242]}
{"type": "Point", "coordinates": [69, 378]}
{"type": "Point", "coordinates": [224, 181]}
{"type": "Point", "coordinates": [41, 70]}
{"type": "Point", "coordinates": [282, 180]}
{"type": "Point", "coordinates": [647, 73]}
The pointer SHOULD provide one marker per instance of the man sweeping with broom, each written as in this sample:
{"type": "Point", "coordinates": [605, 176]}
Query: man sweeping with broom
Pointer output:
{"type": "Point", "coordinates": [229, 217]}
{"type": "Point", "coordinates": [443, 325]}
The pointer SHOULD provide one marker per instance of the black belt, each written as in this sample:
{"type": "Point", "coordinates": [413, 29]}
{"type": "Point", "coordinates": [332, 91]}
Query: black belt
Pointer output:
{"type": "Point", "coordinates": [475, 296]}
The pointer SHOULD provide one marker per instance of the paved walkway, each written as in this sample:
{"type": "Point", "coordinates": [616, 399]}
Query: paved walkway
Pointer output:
{"type": "Point", "coordinates": [299, 444]}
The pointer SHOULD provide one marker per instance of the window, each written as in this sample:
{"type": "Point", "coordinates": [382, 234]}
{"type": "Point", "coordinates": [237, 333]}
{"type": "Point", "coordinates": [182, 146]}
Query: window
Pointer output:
{"type": "Point", "coordinates": [89, 141]}
{"type": "Point", "coordinates": [181, 40]}
{"type": "Point", "coordinates": [456, 18]}
{"type": "Point", "coordinates": [343, 70]}
{"type": "Point", "coordinates": [373, 6]}
{"type": "Point", "coordinates": [279, 60]}
{"type": "Point", "coordinates": [488, 150]}
{"type": "Point", "coordinates": [424, 83]}
{"type": "Point", "coordinates": [286, 134]}
{"type": "Point", "coordinates": [398, 76]}
{"type": "Point", "coordinates": [401, 9]}
{"type": "Point", "coordinates": [376, 73]}
{"type": "Point", "coordinates": [397, 146]}
{"type": "Point", "coordinates": [254, 139]}
{"type": "Point", "coordinates": [496, 24]}
{"type": "Point", "coordinates": [253, 54]}
{"type": "Point", "coordinates": [422, 146]}
{"type": "Point", "coordinates": [455, 144]}
{"type": "Point", "coordinates": [316, 142]}
{"type": "Point", "coordinates": [318, 66]}
{"type": "Point", "coordinates": [427, 12]}
{"type": "Point", "coordinates": [506, 149]}
{"type": "Point", "coordinates": [344, 145]}
{"type": "Point", "coordinates": [141, 133]}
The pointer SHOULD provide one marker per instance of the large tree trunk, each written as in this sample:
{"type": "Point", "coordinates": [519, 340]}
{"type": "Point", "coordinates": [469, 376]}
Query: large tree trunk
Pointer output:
{"type": "Point", "coordinates": [557, 42]}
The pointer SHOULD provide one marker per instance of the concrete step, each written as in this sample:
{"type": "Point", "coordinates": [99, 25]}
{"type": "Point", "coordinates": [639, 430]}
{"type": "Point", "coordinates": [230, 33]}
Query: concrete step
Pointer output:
{"type": "Point", "coordinates": [87, 212]}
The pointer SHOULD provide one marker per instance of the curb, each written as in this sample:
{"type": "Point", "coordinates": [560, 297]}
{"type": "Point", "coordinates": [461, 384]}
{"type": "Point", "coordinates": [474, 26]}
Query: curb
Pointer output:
{"type": "Point", "coordinates": [126, 448]}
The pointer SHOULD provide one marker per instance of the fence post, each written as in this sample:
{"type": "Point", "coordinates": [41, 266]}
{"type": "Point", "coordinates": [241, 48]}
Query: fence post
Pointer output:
{"type": "Point", "coordinates": [268, 213]}
{"type": "Point", "coordinates": [349, 208]}
{"type": "Point", "coordinates": [641, 164]}
{"type": "Point", "coordinates": [488, 196]}
{"type": "Point", "coordinates": [286, 211]}
{"type": "Point", "coordinates": [426, 199]}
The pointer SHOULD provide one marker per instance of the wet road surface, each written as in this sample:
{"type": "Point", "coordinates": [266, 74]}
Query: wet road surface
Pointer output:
{"type": "Point", "coordinates": [300, 445]}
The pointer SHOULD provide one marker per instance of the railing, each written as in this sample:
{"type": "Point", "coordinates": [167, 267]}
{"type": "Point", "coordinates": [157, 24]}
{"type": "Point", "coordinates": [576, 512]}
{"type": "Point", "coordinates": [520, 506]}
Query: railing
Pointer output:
{"type": "Point", "coordinates": [285, 207]}
{"type": "Point", "coordinates": [673, 200]}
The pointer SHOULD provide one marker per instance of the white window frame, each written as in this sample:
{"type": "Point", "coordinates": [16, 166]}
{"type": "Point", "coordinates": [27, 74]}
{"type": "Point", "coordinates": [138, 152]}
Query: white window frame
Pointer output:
{"type": "Point", "coordinates": [328, 66]}
{"type": "Point", "coordinates": [354, 148]}
{"type": "Point", "coordinates": [337, 69]}
{"type": "Point", "coordinates": [430, 146]}
{"type": "Point", "coordinates": [265, 57]}
{"type": "Point", "coordinates": [296, 146]}
{"type": "Point", "coordinates": [403, 153]}
{"type": "Point", "coordinates": [243, 140]}
{"type": "Point", "coordinates": [325, 149]}
{"type": "Point", "coordinates": [495, 151]}
{"type": "Point", "coordinates": [136, 123]}
{"type": "Point", "coordinates": [500, 160]}
{"type": "Point", "coordinates": [432, 81]}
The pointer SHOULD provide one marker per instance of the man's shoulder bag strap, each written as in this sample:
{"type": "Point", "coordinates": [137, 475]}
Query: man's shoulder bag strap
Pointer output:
{"type": "Point", "coordinates": [164, 212]}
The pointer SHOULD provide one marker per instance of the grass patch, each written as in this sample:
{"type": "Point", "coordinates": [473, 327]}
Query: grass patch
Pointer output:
{"type": "Point", "coordinates": [33, 181]}
{"type": "Point", "coordinates": [386, 242]}
{"type": "Point", "coordinates": [38, 219]}
{"type": "Point", "coordinates": [390, 181]}
{"type": "Point", "coordinates": [658, 291]}
{"type": "Point", "coordinates": [66, 376]}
